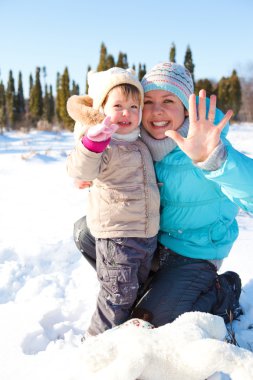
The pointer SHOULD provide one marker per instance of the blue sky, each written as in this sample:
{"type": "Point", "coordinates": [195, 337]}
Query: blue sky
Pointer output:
{"type": "Point", "coordinates": [60, 33]}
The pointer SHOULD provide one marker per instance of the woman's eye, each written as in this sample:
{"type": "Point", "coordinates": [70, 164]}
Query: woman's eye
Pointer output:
{"type": "Point", "coordinates": [147, 102]}
{"type": "Point", "coordinates": [168, 101]}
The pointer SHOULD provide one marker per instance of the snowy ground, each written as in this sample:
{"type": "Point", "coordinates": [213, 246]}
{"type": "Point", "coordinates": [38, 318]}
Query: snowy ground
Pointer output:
{"type": "Point", "coordinates": [47, 290]}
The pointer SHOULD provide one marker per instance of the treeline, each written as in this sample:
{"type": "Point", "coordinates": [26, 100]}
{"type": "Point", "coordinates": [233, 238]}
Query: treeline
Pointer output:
{"type": "Point", "coordinates": [42, 108]}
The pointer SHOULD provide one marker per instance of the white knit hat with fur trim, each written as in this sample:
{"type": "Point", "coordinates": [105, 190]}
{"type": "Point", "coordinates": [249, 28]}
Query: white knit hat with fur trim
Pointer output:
{"type": "Point", "coordinates": [101, 82]}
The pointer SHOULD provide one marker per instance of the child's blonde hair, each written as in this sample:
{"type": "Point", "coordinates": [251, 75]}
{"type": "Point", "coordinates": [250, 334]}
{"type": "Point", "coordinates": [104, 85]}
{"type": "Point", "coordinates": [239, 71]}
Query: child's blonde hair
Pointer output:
{"type": "Point", "coordinates": [127, 90]}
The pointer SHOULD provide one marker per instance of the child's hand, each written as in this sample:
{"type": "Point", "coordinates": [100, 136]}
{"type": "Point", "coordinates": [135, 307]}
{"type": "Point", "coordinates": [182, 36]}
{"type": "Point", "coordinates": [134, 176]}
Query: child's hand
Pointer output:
{"type": "Point", "coordinates": [103, 131]}
{"type": "Point", "coordinates": [82, 184]}
{"type": "Point", "coordinates": [203, 136]}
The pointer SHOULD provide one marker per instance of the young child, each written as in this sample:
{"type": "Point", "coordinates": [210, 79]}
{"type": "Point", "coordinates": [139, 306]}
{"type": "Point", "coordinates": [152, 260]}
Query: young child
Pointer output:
{"type": "Point", "coordinates": [123, 204]}
{"type": "Point", "coordinates": [204, 181]}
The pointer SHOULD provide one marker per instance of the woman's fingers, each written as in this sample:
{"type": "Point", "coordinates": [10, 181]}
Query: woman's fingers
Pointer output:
{"type": "Point", "coordinates": [175, 136]}
{"type": "Point", "coordinates": [192, 109]}
{"type": "Point", "coordinates": [225, 120]}
{"type": "Point", "coordinates": [212, 109]}
{"type": "Point", "coordinates": [202, 105]}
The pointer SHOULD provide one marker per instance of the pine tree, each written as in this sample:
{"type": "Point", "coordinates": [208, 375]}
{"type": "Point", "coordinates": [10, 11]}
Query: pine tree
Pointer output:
{"type": "Point", "coordinates": [110, 62]}
{"type": "Point", "coordinates": [44, 74]}
{"type": "Point", "coordinates": [63, 95]}
{"type": "Point", "coordinates": [20, 99]}
{"type": "Point", "coordinates": [30, 84]}
{"type": "Point", "coordinates": [86, 83]}
{"type": "Point", "coordinates": [188, 62]}
{"type": "Point", "coordinates": [246, 110]}
{"type": "Point", "coordinates": [57, 105]}
{"type": "Point", "coordinates": [75, 89]}
{"type": "Point", "coordinates": [36, 99]}
{"type": "Point", "coordinates": [11, 101]}
{"type": "Point", "coordinates": [229, 94]}
{"type": "Point", "coordinates": [142, 71]}
{"type": "Point", "coordinates": [122, 61]}
{"type": "Point", "coordinates": [204, 84]}
{"type": "Point", "coordinates": [235, 93]}
{"type": "Point", "coordinates": [223, 94]}
{"type": "Point", "coordinates": [46, 105]}
{"type": "Point", "coordinates": [102, 65]}
{"type": "Point", "coordinates": [3, 117]}
{"type": "Point", "coordinates": [173, 53]}
{"type": "Point", "coordinates": [52, 104]}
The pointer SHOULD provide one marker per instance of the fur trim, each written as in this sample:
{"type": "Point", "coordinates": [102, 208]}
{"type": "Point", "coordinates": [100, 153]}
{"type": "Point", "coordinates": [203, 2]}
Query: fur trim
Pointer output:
{"type": "Point", "coordinates": [80, 109]}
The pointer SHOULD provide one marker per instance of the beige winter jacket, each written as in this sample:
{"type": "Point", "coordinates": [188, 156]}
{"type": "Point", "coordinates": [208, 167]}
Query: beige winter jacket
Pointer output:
{"type": "Point", "coordinates": [124, 199]}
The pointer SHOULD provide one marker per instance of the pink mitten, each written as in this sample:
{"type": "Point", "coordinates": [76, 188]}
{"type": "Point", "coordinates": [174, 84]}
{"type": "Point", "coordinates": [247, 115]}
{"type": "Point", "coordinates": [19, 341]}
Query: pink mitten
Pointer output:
{"type": "Point", "coordinates": [103, 131]}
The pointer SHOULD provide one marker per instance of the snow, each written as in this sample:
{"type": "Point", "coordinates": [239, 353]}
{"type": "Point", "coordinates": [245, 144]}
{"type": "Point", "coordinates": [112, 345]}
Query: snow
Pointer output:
{"type": "Point", "coordinates": [47, 290]}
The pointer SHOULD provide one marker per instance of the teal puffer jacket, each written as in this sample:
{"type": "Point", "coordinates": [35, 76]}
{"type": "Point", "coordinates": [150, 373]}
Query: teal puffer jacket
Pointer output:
{"type": "Point", "coordinates": [198, 208]}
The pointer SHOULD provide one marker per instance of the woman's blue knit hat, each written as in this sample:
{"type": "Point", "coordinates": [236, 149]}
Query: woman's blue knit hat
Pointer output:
{"type": "Point", "coordinates": [172, 77]}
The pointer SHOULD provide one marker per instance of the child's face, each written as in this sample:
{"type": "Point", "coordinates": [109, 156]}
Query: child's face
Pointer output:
{"type": "Point", "coordinates": [162, 111]}
{"type": "Point", "coordinates": [123, 111]}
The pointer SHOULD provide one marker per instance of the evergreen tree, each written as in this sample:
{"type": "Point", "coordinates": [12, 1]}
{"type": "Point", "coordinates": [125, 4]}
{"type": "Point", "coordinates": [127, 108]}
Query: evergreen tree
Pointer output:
{"type": "Point", "coordinates": [223, 94]}
{"type": "Point", "coordinates": [142, 71]}
{"type": "Point", "coordinates": [110, 61]}
{"type": "Point", "coordinates": [44, 74]}
{"type": "Point", "coordinates": [102, 65]}
{"type": "Point", "coordinates": [122, 61]}
{"type": "Point", "coordinates": [51, 104]}
{"type": "Point", "coordinates": [204, 84]}
{"type": "Point", "coordinates": [63, 95]}
{"type": "Point", "coordinates": [36, 99]}
{"type": "Point", "coordinates": [30, 84]}
{"type": "Point", "coordinates": [57, 105]}
{"type": "Point", "coordinates": [246, 110]}
{"type": "Point", "coordinates": [173, 53]}
{"type": "Point", "coordinates": [229, 94]}
{"type": "Point", "coordinates": [20, 99]}
{"type": "Point", "coordinates": [235, 93]}
{"type": "Point", "coordinates": [188, 62]}
{"type": "Point", "coordinates": [3, 117]}
{"type": "Point", "coordinates": [46, 105]}
{"type": "Point", "coordinates": [86, 83]}
{"type": "Point", "coordinates": [75, 88]}
{"type": "Point", "coordinates": [11, 101]}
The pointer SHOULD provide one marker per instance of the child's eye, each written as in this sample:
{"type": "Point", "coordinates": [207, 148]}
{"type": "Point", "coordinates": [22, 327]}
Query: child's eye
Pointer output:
{"type": "Point", "coordinates": [134, 106]}
{"type": "Point", "coordinates": [117, 105]}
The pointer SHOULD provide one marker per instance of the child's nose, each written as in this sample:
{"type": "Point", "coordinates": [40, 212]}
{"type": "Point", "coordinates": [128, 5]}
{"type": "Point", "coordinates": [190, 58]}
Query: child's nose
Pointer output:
{"type": "Point", "coordinates": [125, 112]}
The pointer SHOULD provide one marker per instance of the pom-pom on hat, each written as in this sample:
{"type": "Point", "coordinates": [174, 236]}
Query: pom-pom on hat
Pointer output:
{"type": "Point", "coordinates": [101, 82]}
{"type": "Point", "coordinates": [172, 77]}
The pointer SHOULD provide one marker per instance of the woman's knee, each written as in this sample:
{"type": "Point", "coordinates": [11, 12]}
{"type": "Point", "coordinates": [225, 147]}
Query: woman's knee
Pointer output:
{"type": "Point", "coordinates": [80, 228]}
{"type": "Point", "coordinates": [84, 241]}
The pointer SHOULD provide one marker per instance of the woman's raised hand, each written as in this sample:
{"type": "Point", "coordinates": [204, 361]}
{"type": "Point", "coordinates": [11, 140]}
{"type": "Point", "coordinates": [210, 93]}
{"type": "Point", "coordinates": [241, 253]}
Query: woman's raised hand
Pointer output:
{"type": "Point", "coordinates": [203, 136]}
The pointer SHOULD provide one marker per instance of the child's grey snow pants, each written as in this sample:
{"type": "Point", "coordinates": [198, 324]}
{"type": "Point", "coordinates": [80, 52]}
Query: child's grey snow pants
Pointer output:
{"type": "Point", "coordinates": [123, 264]}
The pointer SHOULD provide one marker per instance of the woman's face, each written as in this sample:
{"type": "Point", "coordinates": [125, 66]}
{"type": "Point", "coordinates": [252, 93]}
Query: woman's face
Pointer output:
{"type": "Point", "coordinates": [162, 111]}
